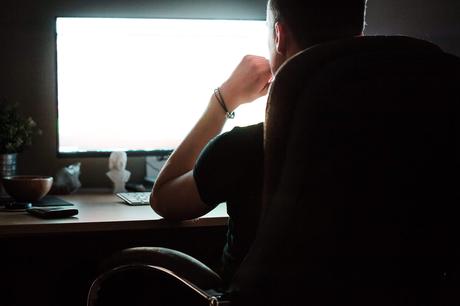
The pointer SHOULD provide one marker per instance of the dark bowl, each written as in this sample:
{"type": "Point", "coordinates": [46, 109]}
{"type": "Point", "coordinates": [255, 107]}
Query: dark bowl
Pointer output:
{"type": "Point", "coordinates": [27, 188]}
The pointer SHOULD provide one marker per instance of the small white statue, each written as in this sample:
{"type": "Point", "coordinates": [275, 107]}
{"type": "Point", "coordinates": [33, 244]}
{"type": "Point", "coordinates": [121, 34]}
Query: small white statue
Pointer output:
{"type": "Point", "coordinates": [117, 172]}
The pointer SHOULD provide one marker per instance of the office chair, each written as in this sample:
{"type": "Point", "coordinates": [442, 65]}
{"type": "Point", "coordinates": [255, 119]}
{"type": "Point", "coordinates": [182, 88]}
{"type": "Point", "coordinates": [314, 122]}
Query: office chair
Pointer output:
{"type": "Point", "coordinates": [360, 190]}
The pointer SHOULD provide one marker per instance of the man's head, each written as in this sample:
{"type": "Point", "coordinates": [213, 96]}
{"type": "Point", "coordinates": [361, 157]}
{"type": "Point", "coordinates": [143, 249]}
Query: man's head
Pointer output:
{"type": "Point", "coordinates": [295, 25]}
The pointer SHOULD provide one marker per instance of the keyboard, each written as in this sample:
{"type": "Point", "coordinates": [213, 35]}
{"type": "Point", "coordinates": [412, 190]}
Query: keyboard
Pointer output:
{"type": "Point", "coordinates": [135, 198]}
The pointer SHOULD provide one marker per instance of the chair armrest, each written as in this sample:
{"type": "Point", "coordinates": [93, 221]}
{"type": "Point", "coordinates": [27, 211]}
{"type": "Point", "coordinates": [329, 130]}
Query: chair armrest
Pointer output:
{"type": "Point", "coordinates": [132, 272]}
{"type": "Point", "coordinates": [181, 264]}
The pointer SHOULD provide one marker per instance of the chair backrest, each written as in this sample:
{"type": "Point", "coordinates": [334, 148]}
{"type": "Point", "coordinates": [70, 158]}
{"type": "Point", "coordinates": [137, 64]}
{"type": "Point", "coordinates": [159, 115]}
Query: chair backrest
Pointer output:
{"type": "Point", "coordinates": [361, 178]}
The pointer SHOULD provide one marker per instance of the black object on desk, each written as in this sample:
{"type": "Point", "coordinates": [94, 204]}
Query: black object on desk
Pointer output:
{"type": "Point", "coordinates": [51, 201]}
{"type": "Point", "coordinates": [51, 207]}
{"type": "Point", "coordinates": [11, 205]}
{"type": "Point", "coordinates": [52, 212]}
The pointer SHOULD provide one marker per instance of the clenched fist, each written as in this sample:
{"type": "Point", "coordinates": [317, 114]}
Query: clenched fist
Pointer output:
{"type": "Point", "coordinates": [250, 80]}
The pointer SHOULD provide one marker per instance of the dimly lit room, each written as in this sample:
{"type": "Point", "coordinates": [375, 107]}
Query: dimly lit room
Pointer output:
{"type": "Point", "coordinates": [229, 152]}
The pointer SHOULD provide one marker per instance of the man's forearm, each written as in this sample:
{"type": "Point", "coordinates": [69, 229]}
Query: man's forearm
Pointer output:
{"type": "Point", "coordinates": [175, 194]}
{"type": "Point", "coordinates": [184, 157]}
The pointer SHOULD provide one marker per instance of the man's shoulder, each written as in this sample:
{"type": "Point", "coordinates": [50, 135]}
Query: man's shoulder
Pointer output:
{"type": "Point", "coordinates": [234, 145]}
{"type": "Point", "coordinates": [250, 133]}
{"type": "Point", "coordinates": [227, 162]}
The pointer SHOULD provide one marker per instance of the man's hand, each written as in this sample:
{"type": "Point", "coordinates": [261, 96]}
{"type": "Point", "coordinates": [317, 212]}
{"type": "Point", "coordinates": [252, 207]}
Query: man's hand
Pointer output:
{"type": "Point", "coordinates": [250, 80]}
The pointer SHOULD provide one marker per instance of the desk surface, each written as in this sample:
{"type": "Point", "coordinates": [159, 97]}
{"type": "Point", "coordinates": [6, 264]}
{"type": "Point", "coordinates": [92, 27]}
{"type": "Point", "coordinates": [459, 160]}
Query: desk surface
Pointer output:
{"type": "Point", "coordinates": [101, 212]}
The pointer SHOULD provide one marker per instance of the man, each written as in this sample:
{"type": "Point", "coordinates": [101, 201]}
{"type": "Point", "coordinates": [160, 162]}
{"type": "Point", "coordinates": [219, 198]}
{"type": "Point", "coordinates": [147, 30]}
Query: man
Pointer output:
{"type": "Point", "coordinates": [206, 170]}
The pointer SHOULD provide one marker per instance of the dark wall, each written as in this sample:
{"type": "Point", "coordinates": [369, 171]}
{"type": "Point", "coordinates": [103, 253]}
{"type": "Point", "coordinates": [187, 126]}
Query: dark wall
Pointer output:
{"type": "Point", "coordinates": [434, 20]}
{"type": "Point", "coordinates": [27, 54]}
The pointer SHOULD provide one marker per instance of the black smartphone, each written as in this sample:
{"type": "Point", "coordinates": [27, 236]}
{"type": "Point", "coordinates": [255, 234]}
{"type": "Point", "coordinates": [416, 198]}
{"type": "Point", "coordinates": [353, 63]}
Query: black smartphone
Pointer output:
{"type": "Point", "coordinates": [52, 212]}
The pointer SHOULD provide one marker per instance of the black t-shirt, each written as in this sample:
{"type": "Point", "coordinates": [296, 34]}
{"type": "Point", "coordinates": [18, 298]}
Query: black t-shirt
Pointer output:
{"type": "Point", "coordinates": [230, 169]}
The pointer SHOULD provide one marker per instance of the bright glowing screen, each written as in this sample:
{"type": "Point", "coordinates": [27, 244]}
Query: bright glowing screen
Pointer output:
{"type": "Point", "coordinates": [140, 84]}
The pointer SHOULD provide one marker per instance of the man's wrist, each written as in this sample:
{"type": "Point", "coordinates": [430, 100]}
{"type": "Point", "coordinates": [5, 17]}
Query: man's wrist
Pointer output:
{"type": "Point", "coordinates": [220, 99]}
{"type": "Point", "coordinates": [229, 96]}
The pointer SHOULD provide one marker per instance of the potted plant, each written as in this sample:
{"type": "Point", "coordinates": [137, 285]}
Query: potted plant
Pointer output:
{"type": "Point", "coordinates": [16, 133]}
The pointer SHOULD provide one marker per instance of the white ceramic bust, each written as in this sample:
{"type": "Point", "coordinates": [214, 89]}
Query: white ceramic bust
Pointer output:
{"type": "Point", "coordinates": [117, 172]}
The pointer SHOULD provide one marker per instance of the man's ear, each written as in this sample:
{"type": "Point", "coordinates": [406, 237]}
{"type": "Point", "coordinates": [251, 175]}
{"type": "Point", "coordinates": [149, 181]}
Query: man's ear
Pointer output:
{"type": "Point", "coordinates": [280, 38]}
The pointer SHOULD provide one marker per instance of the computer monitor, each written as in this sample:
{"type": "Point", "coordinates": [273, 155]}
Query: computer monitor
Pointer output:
{"type": "Point", "coordinates": [139, 84]}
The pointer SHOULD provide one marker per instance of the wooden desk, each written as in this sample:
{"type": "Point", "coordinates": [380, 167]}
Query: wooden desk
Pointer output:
{"type": "Point", "coordinates": [101, 212]}
{"type": "Point", "coordinates": [56, 260]}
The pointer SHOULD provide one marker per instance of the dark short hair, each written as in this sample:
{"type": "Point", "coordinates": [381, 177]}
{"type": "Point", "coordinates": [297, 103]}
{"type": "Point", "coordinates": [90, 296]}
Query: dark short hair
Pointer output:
{"type": "Point", "coordinates": [316, 21]}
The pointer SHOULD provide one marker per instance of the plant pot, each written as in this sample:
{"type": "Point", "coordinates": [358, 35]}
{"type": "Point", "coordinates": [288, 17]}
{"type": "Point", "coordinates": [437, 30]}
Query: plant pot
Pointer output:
{"type": "Point", "coordinates": [7, 168]}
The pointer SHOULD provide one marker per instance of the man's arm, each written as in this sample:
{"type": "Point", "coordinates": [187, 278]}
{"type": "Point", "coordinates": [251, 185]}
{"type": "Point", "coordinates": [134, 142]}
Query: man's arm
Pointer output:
{"type": "Point", "coordinates": [175, 194]}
